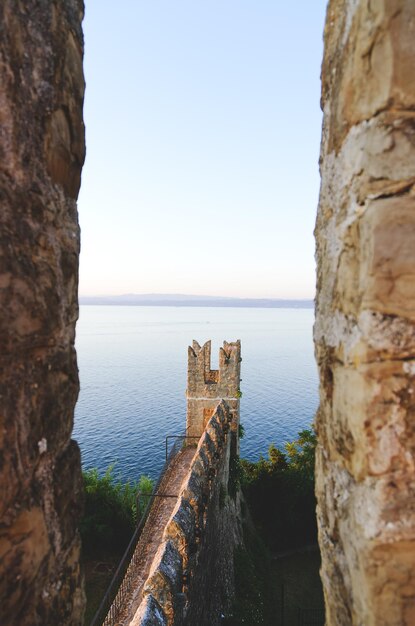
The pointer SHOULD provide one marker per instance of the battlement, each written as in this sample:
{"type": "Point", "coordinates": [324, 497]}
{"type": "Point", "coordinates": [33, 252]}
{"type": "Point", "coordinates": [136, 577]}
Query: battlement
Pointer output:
{"type": "Point", "coordinates": [202, 380]}
{"type": "Point", "coordinates": [182, 586]}
{"type": "Point", "coordinates": [207, 387]}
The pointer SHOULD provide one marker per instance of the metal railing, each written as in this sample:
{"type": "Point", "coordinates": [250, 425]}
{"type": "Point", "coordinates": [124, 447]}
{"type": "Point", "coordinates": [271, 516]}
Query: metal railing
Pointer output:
{"type": "Point", "coordinates": [177, 437]}
{"type": "Point", "coordinates": [121, 583]}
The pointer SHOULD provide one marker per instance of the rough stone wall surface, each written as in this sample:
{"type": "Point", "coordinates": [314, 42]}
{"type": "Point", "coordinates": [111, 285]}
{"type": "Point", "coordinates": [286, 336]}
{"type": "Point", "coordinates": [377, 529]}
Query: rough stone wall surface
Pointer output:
{"type": "Point", "coordinates": [41, 156]}
{"type": "Point", "coordinates": [365, 314]}
{"type": "Point", "coordinates": [206, 387]}
{"type": "Point", "coordinates": [191, 579]}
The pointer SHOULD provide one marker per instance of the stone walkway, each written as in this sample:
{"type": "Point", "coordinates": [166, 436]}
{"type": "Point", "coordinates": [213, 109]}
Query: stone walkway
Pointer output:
{"type": "Point", "coordinates": [153, 530]}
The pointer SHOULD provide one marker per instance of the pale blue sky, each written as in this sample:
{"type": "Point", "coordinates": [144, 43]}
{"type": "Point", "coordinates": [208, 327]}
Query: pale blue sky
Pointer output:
{"type": "Point", "coordinates": [203, 130]}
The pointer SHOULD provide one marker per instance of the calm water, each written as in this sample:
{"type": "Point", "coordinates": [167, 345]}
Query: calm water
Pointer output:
{"type": "Point", "coordinates": [133, 361]}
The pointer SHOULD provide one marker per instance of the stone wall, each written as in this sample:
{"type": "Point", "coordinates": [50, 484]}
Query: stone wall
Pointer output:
{"type": "Point", "coordinates": [206, 387]}
{"type": "Point", "coordinates": [192, 579]}
{"type": "Point", "coordinates": [41, 156]}
{"type": "Point", "coordinates": [365, 314]}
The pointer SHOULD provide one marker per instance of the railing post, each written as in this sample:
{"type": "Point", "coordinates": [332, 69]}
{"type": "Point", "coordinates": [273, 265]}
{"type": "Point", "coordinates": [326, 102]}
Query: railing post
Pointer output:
{"type": "Point", "coordinates": [178, 437]}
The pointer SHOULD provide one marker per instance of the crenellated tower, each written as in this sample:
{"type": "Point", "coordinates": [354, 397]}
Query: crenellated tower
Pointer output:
{"type": "Point", "coordinates": [207, 387]}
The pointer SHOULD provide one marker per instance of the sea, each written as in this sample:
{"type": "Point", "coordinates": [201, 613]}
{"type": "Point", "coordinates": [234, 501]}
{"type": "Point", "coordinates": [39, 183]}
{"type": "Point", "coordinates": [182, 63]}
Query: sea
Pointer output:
{"type": "Point", "coordinates": [133, 364]}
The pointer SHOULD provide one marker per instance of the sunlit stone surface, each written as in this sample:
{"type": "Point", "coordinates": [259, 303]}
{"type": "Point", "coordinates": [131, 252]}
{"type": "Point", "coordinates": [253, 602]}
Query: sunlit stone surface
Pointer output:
{"type": "Point", "coordinates": [364, 330]}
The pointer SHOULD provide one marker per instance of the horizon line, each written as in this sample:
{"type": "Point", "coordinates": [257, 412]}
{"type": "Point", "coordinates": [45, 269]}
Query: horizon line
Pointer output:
{"type": "Point", "coordinates": [188, 295]}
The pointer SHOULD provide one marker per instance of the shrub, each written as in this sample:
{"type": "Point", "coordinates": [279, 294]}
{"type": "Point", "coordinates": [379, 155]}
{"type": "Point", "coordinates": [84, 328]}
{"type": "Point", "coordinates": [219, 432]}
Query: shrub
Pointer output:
{"type": "Point", "coordinates": [110, 512]}
{"type": "Point", "coordinates": [301, 453]}
{"type": "Point", "coordinates": [145, 488]}
{"type": "Point", "coordinates": [280, 492]}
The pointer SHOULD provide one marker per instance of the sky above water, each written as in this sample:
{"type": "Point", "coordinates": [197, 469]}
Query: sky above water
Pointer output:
{"type": "Point", "coordinates": [203, 128]}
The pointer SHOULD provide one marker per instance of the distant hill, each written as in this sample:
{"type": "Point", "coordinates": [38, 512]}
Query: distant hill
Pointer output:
{"type": "Point", "coordinates": [161, 299]}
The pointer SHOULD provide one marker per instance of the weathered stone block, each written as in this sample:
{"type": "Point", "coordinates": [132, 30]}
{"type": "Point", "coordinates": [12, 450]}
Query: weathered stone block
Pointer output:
{"type": "Point", "coordinates": [367, 62]}
{"type": "Point", "coordinates": [165, 581]}
{"type": "Point", "coordinates": [387, 267]}
{"type": "Point", "coordinates": [149, 614]}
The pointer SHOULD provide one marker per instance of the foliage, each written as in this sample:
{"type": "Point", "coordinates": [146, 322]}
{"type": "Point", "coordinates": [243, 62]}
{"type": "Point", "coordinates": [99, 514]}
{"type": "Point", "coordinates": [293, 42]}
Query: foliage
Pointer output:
{"type": "Point", "coordinates": [301, 453]}
{"type": "Point", "coordinates": [235, 474]}
{"type": "Point", "coordinates": [277, 458]}
{"type": "Point", "coordinates": [280, 492]}
{"type": "Point", "coordinates": [145, 488]}
{"type": "Point", "coordinates": [110, 512]}
{"type": "Point", "coordinates": [241, 431]}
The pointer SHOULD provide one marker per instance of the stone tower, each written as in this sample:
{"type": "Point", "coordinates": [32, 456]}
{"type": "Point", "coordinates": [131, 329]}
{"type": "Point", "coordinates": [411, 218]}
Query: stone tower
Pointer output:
{"type": "Point", "coordinates": [207, 387]}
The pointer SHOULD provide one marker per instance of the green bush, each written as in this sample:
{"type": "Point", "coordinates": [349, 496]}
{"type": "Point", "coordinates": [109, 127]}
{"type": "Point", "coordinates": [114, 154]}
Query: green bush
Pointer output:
{"type": "Point", "coordinates": [110, 512]}
{"type": "Point", "coordinates": [235, 474]}
{"type": "Point", "coordinates": [145, 488]}
{"type": "Point", "coordinates": [280, 493]}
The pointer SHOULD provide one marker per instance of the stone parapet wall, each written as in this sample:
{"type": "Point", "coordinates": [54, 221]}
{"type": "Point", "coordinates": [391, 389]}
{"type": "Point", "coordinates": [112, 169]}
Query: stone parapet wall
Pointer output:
{"type": "Point", "coordinates": [365, 314]}
{"type": "Point", "coordinates": [41, 156]}
{"type": "Point", "coordinates": [191, 580]}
